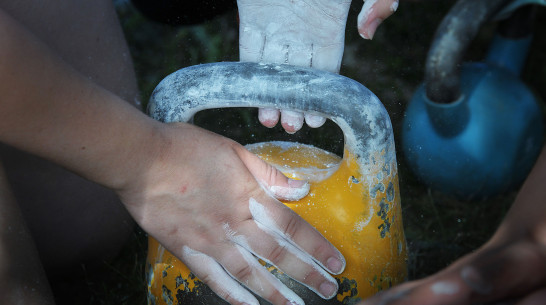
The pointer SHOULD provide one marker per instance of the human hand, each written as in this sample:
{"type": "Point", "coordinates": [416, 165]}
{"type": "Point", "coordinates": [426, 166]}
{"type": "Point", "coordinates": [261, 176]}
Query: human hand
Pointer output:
{"type": "Point", "coordinates": [207, 200]}
{"type": "Point", "coordinates": [510, 273]}
{"type": "Point", "coordinates": [509, 269]}
{"type": "Point", "coordinates": [302, 33]}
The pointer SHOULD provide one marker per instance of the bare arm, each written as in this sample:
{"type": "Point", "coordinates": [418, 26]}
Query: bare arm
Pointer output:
{"type": "Point", "coordinates": [51, 110]}
{"type": "Point", "coordinates": [201, 195]}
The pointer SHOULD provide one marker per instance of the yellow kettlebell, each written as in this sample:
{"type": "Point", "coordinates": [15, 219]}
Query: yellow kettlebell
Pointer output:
{"type": "Point", "coordinates": [354, 201]}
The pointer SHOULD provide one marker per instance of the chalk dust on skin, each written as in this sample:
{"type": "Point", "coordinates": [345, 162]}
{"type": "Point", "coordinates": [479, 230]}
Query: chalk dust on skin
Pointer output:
{"type": "Point", "coordinates": [314, 121]}
{"type": "Point", "coordinates": [474, 280]}
{"type": "Point", "coordinates": [444, 288]}
{"type": "Point", "coordinates": [218, 275]}
{"type": "Point", "coordinates": [364, 14]}
{"type": "Point", "coordinates": [264, 275]}
{"type": "Point", "coordinates": [262, 272]}
{"type": "Point", "coordinates": [269, 116]}
{"type": "Point", "coordinates": [266, 223]}
{"type": "Point", "coordinates": [290, 193]}
{"type": "Point", "coordinates": [292, 119]}
{"type": "Point", "coordinates": [344, 182]}
{"type": "Point", "coordinates": [282, 41]}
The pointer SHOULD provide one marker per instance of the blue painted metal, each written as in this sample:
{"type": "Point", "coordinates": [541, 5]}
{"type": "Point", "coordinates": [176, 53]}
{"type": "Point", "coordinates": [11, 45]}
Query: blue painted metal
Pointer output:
{"type": "Point", "coordinates": [485, 142]}
{"type": "Point", "coordinates": [514, 5]}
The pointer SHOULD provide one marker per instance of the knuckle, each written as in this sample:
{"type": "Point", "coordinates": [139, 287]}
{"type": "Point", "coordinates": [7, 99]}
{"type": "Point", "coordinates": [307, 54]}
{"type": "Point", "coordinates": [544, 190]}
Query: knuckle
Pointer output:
{"type": "Point", "coordinates": [272, 174]}
{"type": "Point", "coordinates": [320, 250]}
{"type": "Point", "coordinates": [291, 226]}
{"type": "Point", "coordinates": [313, 278]}
{"type": "Point", "coordinates": [229, 297]}
{"type": "Point", "coordinates": [275, 297]}
{"type": "Point", "coordinates": [244, 274]}
{"type": "Point", "coordinates": [277, 254]}
{"type": "Point", "coordinates": [207, 279]}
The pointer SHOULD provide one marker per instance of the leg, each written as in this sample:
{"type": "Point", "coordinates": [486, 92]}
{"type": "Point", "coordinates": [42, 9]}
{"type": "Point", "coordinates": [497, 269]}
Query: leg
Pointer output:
{"type": "Point", "coordinates": [72, 220]}
{"type": "Point", "coordinates": [22, 278]}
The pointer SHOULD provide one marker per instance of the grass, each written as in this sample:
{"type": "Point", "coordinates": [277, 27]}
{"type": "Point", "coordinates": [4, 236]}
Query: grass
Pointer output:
{"type": "Point", "coordinates": [438, 228]}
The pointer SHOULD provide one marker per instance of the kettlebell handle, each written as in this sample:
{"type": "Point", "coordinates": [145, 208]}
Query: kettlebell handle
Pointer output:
{"type": "Point", "coordinates": [458, 28]}
{"type": "Point", "coordinates": [357, 111]}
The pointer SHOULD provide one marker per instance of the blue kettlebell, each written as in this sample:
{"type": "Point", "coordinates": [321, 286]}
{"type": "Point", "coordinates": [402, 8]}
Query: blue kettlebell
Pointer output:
{"type": "Point", "coordinates": [475, 130]}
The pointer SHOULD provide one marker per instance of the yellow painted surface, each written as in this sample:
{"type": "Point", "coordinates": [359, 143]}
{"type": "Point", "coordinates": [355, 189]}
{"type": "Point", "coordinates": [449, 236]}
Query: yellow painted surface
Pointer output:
{"type": "Point", "coordinates": [360, 215]}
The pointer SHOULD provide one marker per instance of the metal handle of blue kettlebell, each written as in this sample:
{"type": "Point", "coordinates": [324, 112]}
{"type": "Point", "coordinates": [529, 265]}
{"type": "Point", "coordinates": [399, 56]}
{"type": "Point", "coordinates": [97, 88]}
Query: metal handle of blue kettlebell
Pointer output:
{"type": "Point", "coordinates": [357, 111]}
{"type": "Point", "coordinates": [507, 11]}
{"type": "Point", "coordinates": [458, 28]}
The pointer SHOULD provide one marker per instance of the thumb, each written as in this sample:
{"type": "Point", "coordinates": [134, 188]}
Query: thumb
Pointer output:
{"type": "Point", "coordinates": [372, 14]}
{"type": "Point", "coordinates": [271, 179]}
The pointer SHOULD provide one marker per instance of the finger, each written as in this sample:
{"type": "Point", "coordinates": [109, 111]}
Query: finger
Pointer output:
{"type": "Point", "coordinates": [496, 274]}
{"type": "Point", "coordinates": [216, 278]}
{"type": "Point", "coordinates": [291, 121]}
{"type": "Point", "coordinates": [243, 266]}
{"type": "Point", "coordinates": [283, 254]}
{"type": "Point", "coordinates": [272, 180]}
{"type": "Point", "coordinates": [281, 221]}
{"type": "Point", "coordinates": [314, 121]}
{"type": "Point", "coordinates": [506, 271]}
{"type": "Point", "coordinates": [269, 117]}
{"type": "Point", "coordinates": [372, 14]}
{"type": "Point", "coordinates": [448, 289]}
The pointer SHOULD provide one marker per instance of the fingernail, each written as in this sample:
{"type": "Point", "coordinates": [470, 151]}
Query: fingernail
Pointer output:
{"type": "Point", "coordinates": [369, 32]}
{"type": "Point", "coordinates": [335, 265]}
{"type": "Point", "coordinates": [328, 289]}
{"type": "Point", "coordinates": [292, 121]}
{"type": "Point", "coordinates": [475, 281]}
{"type": "Point", "coordinates": [296, 183]}
{"type": "Point", "coordinates": [314, 121]}
{"type": "Point", "coordinates": [296, 190]}
{"type": "Point", "coordinates": [394, 6]}
{"type": "Point", "coordinates": [268, 117]}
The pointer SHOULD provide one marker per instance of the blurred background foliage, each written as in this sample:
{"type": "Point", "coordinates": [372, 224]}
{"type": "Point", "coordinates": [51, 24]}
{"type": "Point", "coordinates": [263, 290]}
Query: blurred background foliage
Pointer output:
{"type": "Point", "coordinates": [438, 228]}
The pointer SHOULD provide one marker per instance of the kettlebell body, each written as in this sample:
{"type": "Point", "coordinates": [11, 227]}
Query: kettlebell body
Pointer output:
{"type": "Point", "coordinates": [354, 201]}
{"type": "Point", "coordinates": [482, 144]}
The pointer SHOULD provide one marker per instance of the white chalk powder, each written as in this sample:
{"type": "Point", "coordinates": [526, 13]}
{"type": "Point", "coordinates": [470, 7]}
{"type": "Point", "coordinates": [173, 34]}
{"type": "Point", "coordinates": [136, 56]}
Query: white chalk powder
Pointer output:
{"type": "Point", "coordinates": [365, 13]}
{"type": "Point", "coordinates": [290, 193]}
{"type": "Point", "coordinates": [314, 121]}
{"type": "Point", "coordinates": [266, 223]}
{"type": "Point", "coordinates": [292, 118]}
{"type": "Point", "coordinates": [444, 288]}
{"type": "Point", "coordinates": [290, 295]}
{"type": "Point", "coordinates": [394, 6]}
{"type": "Point", "coordinates": [207, 265]}
{"type": "Point", "coordinates": [261, 216]}
{"type": "Point", "coordinates": [268, 115]}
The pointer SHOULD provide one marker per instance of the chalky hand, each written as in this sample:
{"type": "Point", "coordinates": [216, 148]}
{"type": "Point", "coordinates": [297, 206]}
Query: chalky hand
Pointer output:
{"type": "Point", "coordinates": [210, 204]}
{"type": "Point", "coordinates": [307, 33]}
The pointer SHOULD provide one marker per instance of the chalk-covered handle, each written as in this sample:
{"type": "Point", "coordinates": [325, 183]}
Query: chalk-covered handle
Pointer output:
{"type": "Point", "coordinates": [357, 111]}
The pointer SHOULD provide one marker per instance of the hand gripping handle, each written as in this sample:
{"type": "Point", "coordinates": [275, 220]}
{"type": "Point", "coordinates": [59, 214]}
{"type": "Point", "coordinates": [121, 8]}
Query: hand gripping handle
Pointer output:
{"type": "Point", "coordinates": [357, 111]}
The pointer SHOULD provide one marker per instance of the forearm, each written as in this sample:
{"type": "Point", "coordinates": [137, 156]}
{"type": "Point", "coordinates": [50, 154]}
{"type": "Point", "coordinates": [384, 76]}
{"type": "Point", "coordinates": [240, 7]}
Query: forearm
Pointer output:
{"type": "Point", "coordinates": [528, 213]}
{"type": "Point", "coordinates": [51, 110]}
